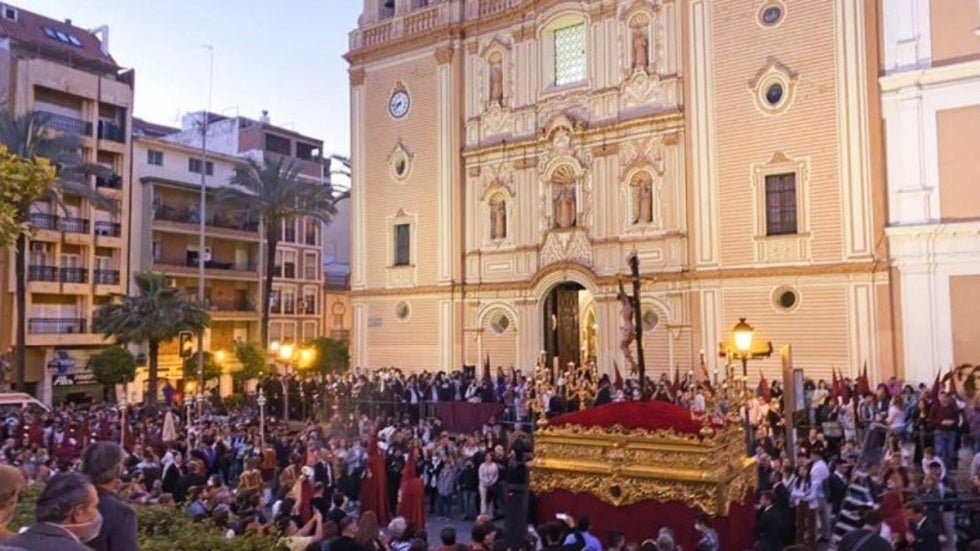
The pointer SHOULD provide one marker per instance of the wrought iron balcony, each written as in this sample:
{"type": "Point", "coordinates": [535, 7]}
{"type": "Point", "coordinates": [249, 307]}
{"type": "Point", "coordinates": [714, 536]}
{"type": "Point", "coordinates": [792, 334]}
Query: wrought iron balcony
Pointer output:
{"type": "Point", "coordinates": [111, 229]}
{"type": "Point", "coordinates": [231, 305]}
{"type": "Point", "coordinates": [42, 273]}
{"type": "Point", "coordinates": [56, 326]}
{"type": "Point", "coordinates": [43, 221]}
{"type": "Point", "coordinates": [187, 215]}
{"type": "Point", "coordinates": [73, 275]}
{"type": "Point", "coordinates": [106, 277]}
{"type": "Point", "coordinates": [70, 125]}
{"type": "Point", "coordinates": [73, 225]}
{"type": "Point", "coordinates": [111, 131]}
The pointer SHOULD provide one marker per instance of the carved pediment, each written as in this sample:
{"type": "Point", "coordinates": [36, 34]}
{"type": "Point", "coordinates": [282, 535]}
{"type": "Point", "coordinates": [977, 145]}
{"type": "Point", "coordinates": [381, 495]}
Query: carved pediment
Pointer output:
{"type": "Point", "coordinates": [497, 177]}
{"type": "Point", "coordinates": [645, 153]}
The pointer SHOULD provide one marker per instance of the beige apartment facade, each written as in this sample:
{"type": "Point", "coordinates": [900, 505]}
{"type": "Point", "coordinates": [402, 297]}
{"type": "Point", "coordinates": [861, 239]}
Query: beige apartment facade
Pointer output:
{"type": "Point", "coordinates": [930, 96]}
{"type": "Point", "coordinates": [166, 212]}
{"type": "Point", "coordinates": [502, 180]}
{"type": "Point", "coordinates": [77, 254]}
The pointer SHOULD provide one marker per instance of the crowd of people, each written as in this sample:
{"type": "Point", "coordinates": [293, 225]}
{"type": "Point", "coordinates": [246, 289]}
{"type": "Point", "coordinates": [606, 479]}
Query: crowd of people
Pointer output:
{"type": "Point", "coordinates": [369, 468]}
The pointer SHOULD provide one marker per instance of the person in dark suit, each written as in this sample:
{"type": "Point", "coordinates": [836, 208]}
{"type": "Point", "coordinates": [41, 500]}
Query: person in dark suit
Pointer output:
{"type": "Point", "coordinates": [839, 481]}
{"type": "Point", "coordinates": [67, 516]}
{"type": "Point", "coordinates": [324, 474]}
{"type": "Point", "coordinates": [604, 396]}
{"type": "Point", "coordinates": [924, 534]}
{"type": "Point", "coordinates": [102, 463]}
{"type": "Point", "coordinates": [769, 529]}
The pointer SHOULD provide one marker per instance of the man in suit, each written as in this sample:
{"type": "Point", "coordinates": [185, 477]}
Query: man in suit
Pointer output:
{"type": "Point", "coordinates": [67, 516]}
{"type": "Point", "coordinates": [924, 534]}
{"type": "Point", "coordinates": [604, 396]}
{"type": "Point", "coordinates": [769, 527]}
{"type": "Point", "coordinates": [323, 474]}
{"type": "Point", "coordinates": [102, 463]}
{"type": "Point", "coordinates": [839, 481]}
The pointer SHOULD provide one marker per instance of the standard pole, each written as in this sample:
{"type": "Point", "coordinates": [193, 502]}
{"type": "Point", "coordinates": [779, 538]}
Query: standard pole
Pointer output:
{"type": "Point", "coordinates": [201, 244]}
{"type": "Point", "coordinates": [638, 323]}
{"type": "Point", "coordinates": [745, 400]}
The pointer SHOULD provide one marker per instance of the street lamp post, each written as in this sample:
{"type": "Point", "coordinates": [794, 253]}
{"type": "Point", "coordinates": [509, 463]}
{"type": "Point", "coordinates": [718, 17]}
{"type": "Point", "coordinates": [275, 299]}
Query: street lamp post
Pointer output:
{"type": "Point", "coordinates": [189, 404]}
{"type": "Point", "coordinates": [743, 339]}
{"type": "Point", "coordinates": [261, 402]}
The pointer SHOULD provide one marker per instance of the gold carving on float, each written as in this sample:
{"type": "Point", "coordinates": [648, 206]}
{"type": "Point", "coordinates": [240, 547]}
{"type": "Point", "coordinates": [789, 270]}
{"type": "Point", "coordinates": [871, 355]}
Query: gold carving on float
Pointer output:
{"type": "Point", "coordinates": [626, 466]}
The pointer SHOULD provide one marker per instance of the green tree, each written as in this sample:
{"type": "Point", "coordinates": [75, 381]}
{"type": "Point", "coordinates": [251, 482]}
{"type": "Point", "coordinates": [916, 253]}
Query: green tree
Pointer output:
{"type": "Point", "coordinates": [29, 137]}
{"type": "Point", "coordinates": [212, 370]}
{"type": "Point", "coordinates": [275, 193]}
{"type": "Point", "coordinates": [156, 314]}
{"type": "Point", "coordinates": [113, 366]}
{"type": "Point", "coordinates": [255, 363]}
{"type": "Point", "coordinates": [331, 356]}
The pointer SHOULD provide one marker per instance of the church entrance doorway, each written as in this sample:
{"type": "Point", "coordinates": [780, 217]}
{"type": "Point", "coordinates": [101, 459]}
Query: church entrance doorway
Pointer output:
{"type": "Point", "coordinates": [569, 325]}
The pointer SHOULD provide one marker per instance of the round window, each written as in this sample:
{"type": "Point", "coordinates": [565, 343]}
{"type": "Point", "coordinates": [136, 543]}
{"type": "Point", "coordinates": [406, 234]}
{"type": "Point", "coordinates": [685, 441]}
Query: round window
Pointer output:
{"type": "Point", "coordinates": [774, 93]}
{"type": "Point", "coordinates": [650, 320]}
{"type": "Point", "coordinates": [401, 166]}
{"type": "Point", "coordinates": [500, 323]}
{"type": "Point", "coordinates": [402, 311]}
{"type": "Point", "coordinates": [771, 15]}
{"type": "Point", "coordinates": [786, 298]}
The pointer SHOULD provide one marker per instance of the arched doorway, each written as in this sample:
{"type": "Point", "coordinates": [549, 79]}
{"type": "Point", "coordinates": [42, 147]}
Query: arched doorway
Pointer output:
{"type": "Point", "coordinates": [569, 325]}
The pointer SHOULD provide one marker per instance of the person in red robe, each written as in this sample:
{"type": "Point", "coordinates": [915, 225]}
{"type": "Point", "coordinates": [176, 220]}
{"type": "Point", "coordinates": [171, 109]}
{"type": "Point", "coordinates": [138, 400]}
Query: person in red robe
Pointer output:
{"type": "Point", "coordinates": [411, 494]}
{"type": "Point", "coordinates": [374, 486]}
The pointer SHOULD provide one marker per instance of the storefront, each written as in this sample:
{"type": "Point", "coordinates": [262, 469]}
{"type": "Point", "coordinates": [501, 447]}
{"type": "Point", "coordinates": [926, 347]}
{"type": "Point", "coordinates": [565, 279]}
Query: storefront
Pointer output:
{"type": "Point", "coordinates": [71, 380]}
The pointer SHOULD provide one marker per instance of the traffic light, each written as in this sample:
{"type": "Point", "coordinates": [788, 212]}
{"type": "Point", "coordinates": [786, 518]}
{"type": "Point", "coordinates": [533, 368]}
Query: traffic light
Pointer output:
{"type": "Point", "coordinates": [186, 344]}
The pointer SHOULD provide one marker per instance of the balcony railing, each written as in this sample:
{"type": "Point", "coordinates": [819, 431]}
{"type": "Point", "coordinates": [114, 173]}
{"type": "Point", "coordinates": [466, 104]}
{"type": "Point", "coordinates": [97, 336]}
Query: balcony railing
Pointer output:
{"type": "Point", "coordinates": [106, 277]}
{"type": "Point", "coordinates": [111, 229]}
{"type": "Point", "coordinates": [73, 275]}
{"type": "Point", "coordinates": [109, 182]}
{"type": "Point", "coordinates": [187, 215]}
{"type": "Point", "coordinates": [111, 131]}
{"type": "Point", "coordinates": [210, 264]}
{"type": "Point", "coordinates": [231, 305]}
{"type": "Point", "coordinates": [340, 334]}
{"type": "Point", "coordinates": [66, 224]}
{"type": "Point", "coordinates": [42, 273]}
{"type": "Point", "coordinates": [56, 326]}
{"type": "Point", "coordinates": [71, 125]}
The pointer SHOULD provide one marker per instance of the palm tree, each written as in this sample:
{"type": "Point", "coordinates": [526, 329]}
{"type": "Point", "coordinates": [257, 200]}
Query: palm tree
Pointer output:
{"type": "Point", "coordinates": [155, 315]}
{"type": "Point", "coordinates": [274, 193]}
{"type": "Point", "coordinates": [29, 136]}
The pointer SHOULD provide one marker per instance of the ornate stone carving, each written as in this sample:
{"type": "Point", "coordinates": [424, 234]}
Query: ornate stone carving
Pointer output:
{"type": "Point", "coordinates": [641, 89]}
{"type": "Point", "coordinates": [498, 217]}
{"type": "Point", "coordinates": [640, 43]}
{"type": "Point", "coordinates": [636, 154]}
{"type": "Point", "coordinates": [570, 245]}
{"type": "Point", "coordinates": [498, 176]}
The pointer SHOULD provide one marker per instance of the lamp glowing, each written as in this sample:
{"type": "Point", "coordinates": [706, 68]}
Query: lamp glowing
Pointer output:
{"type": "Point", "coordinates": [306, 356]}
{"type": "Point", "coordinates": [286, 352]}
{"type": "Point", "coordinates": [743, 334]}
{"type": "Point", "coordinates": [219, 356]}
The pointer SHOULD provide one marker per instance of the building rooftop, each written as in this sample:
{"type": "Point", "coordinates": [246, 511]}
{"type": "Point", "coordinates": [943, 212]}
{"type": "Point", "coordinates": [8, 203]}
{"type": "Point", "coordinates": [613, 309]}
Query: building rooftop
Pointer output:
{"type": "Point", "coordinates": [52, 38]}
{"type": "Point", "coordinates": [151, 129]}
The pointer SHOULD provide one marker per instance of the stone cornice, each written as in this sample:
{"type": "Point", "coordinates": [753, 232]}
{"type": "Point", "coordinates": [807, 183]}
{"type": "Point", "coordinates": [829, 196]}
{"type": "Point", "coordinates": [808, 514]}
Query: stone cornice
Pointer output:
{"type": "Point", "coordinates": [650, 281]}
{"type": "Point", "coordinates": [931, 76]}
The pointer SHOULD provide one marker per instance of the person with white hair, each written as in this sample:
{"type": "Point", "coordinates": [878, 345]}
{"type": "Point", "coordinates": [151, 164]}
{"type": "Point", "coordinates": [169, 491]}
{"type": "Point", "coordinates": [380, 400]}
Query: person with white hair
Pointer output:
{"type": "Point", "coordinates": [400, 540]}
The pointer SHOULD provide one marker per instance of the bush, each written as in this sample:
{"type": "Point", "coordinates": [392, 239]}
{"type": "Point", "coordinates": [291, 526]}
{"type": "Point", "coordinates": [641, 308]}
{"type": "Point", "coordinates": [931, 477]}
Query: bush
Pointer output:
{"type": "Point", "coordinates": [161, 529]}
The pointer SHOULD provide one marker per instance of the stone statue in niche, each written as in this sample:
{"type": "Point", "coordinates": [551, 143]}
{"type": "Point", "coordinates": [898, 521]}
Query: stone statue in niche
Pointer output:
{"type": "Point", "coordinates": [641, 49]}
{"type": "Point", "coordinates": [564, 206]}
{"type": "Point", "coordinates": [496, 81]}
{"type": "Point", "coordinates": [642, 199]}
{"type": "Point", "coordinates": [498, 219]}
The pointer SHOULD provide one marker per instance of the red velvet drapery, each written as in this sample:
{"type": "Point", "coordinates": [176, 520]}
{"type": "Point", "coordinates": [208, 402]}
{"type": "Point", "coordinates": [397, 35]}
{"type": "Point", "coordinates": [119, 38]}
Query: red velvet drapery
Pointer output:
{"type": "Point", "coordinates": [644, 519]}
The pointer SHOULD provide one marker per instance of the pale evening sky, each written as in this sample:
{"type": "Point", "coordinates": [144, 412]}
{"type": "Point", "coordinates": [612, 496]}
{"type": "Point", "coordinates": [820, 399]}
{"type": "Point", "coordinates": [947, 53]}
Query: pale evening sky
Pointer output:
{"type": "Point", "coordinates": [280, 55]}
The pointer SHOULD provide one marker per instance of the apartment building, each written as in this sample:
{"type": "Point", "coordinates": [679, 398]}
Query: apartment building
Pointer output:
{"type": "Point", "coordinates": [297, 291]}
{"type": "Point", "coordinates": [337, 318]}
{"type": "Point", "coordinates": [77, 254]}
{"type": "Point", "coordinates": [166, 212]}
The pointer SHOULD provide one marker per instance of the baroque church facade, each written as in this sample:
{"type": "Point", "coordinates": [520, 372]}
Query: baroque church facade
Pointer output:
{"type": "Point", "coordinates": [509, 156]}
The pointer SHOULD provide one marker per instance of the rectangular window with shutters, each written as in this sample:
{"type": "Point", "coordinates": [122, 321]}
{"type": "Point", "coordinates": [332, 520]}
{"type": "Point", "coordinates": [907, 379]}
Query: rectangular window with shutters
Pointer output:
{"type": "Point", "coordinates": [781, 211]}
{"type": "Point", "coordinates": [289, 264]}
{"type": "Point", "coordinates": [570, 59]}
{"type": "Point", "coordinates": [403, 256]}
{"type": "Point", "coordinates": [309, 303]}
{"type": "Point", "coordinates": [288, 302]}
{"type": "Point", "coordinates": [194, 165]}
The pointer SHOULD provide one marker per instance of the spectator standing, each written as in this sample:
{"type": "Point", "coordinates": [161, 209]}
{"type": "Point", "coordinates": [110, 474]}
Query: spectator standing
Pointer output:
{"type": "Point", "coordinates": [67, 516]}
{"type": "Point", "coordinates": [708, 541]}
{"type": "Point", "coordinates": [944, 418]}
{"type": "Point", "coordinates": [102, 463]}
{"type": "Point", "coordinates": [12, 482]}
{"type": "Point", "coordinates": [489, 474]}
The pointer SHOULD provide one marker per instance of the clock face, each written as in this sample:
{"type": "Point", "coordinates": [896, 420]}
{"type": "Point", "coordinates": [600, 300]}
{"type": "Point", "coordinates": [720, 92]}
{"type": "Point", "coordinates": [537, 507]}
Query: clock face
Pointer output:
{"type": "Point", "coordinates": [399, 103]}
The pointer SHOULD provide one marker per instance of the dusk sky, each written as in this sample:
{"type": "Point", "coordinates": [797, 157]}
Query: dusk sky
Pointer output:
{"type": "Point", "coordinates": [282, 55]}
